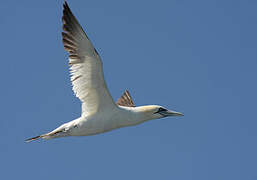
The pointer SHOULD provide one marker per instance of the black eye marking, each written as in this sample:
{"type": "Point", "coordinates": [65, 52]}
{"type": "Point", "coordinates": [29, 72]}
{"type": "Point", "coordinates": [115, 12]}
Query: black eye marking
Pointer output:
{"type": "Point", "coordinates": [161, 110]}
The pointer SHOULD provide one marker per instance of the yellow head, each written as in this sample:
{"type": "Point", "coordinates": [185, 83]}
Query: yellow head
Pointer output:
{"type": "Point", "coordinates": [155, 112]}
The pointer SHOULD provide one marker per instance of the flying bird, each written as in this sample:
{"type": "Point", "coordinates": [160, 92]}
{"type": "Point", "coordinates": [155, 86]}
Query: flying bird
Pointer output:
{"type": "Point", "coordinates": [99, 111]}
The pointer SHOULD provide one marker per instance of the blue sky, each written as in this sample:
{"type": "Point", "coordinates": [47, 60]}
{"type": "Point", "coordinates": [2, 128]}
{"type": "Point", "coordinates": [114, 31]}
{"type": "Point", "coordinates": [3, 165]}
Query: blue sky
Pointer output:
{"type": "Point", "coordinates": [198, 57]}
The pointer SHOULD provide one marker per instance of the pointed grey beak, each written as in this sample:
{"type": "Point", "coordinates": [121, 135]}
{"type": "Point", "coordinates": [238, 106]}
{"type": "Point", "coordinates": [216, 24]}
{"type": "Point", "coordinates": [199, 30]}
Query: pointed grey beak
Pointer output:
{"type": "Point", "coordinates": [171, 113]}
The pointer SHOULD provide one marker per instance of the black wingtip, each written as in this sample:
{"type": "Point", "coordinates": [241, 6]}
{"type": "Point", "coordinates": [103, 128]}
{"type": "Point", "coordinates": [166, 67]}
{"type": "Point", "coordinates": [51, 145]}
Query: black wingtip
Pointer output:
{"type": "Point", "coordinates": [66, 6]}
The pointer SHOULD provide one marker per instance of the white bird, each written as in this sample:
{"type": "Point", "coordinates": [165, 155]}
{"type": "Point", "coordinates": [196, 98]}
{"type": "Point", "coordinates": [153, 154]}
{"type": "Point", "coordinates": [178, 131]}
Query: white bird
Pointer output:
{"type": "Point", "coordinates": [99, 112]}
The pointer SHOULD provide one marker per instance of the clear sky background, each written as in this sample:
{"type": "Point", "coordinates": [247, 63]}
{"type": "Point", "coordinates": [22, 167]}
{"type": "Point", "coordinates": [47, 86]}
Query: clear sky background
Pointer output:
{"type": "Point", "coordinates": [197, 57]}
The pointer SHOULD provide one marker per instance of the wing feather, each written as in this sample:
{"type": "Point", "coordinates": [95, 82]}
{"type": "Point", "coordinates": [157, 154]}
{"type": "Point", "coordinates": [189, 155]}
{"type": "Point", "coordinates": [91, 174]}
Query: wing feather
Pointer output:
{"type": "Point", "coordinates": [126, 100]}
{"type": "Point", "coordinates": [85, 66]}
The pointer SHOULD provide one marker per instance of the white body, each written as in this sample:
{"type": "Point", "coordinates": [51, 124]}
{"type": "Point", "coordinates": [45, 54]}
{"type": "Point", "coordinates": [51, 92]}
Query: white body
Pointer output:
{"type": "Point", "coordinates": [116, 117]}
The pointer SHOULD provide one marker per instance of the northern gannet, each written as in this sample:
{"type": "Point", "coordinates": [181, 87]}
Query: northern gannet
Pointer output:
{"type": "Point", "coordinates": [99, 111]}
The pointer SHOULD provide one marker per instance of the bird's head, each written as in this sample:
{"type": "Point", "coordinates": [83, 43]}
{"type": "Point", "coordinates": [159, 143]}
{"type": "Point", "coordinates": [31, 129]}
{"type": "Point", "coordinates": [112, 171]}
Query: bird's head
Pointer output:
{"type": "Point", "coordinates": [156, 112]}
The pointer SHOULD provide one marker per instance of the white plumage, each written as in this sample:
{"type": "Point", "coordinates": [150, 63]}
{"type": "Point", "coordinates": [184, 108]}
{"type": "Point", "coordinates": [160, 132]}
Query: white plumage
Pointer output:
{"type": "Point", "coordinates": [99, 112]}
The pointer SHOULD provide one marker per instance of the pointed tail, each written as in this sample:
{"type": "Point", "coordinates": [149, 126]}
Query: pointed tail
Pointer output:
{"type": "Point", "coordinates": [34, 138]}
{"type": "Point", "coordinates": [59, 132]}
{"type": "Point", "coordinates": [53, 134]}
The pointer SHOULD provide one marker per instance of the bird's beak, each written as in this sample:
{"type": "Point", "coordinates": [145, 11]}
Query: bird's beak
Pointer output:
{"type": "Point", "coordinates": [171, 113]}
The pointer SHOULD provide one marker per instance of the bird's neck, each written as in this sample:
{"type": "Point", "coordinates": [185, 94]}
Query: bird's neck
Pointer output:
{"type": "Point", "coordinates": [134, 115]}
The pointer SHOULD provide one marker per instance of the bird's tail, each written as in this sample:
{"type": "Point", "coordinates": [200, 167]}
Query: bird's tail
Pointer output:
{"type": "Point", "coordinates": [34, 138]}
{"type": "Point", "coordinates": [58, 132]}
{"type": "Point", "coordinates": [54, 134]}
{"type": "Point", "coordinates": [43, 136]}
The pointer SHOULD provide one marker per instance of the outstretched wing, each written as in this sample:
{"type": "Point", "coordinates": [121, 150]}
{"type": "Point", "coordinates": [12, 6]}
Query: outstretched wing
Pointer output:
{"type": "Point", "coordinates": [125, 100]}
{"type": "Point", "coordinates": [85, 66]}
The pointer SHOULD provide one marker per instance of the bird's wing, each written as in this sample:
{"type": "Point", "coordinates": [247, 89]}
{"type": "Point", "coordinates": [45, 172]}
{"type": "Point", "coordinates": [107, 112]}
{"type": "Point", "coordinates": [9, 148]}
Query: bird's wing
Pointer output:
{"type": "Point", "coordinates": [126, 100]}
{"type": "Point", "coordinates": [85, 66]}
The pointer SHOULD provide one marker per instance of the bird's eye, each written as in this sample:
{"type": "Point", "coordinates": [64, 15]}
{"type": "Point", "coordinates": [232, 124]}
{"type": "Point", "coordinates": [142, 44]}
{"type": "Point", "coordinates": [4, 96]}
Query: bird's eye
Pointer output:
{"type": "Point", "coordinates": [162, 109]}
